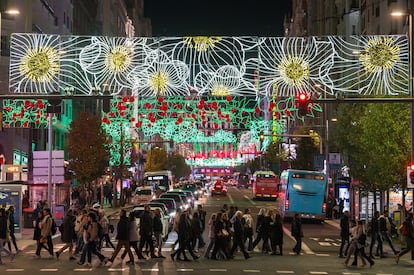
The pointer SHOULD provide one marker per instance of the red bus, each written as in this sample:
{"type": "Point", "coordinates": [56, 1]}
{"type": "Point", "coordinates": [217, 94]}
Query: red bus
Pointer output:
{"type": "Point", "coordinates": [265, 185]}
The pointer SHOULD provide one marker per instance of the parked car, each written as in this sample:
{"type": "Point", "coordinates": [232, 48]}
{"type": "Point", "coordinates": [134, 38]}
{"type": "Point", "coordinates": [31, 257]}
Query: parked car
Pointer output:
{"type": "Point", "coordinates": [190, 199]}
{"type": "Point", "coordinates": [218, 188]}
{"type": "Point", "coordinates": [179, 199]}
{"type": "Point", "coordinates": [139, 210]}
{"type": "Point", "coordinates": [142, 195]}
{"type": "Point", "coordinates": [193, 188]}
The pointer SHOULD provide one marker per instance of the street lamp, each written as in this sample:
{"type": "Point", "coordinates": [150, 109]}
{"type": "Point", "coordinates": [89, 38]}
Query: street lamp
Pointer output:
{"type": "Point", "coordinates": [410, 44]}
{"type": "Point", "coordinates": [410, 48]}
{"type": "Point", "coordinates": [11, 12]}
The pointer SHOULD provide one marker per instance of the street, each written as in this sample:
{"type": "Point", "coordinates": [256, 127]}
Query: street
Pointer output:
{"type": "Point", "coordinates": [320, 251]}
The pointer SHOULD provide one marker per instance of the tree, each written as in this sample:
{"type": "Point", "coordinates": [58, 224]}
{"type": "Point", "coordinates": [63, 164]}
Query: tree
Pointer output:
{"type": "Point", "coordinates": [375, 138]}
{"type": "Point", "coordinates": [156, 160]}
{"type": "Point", "coordinates": [176, 163]}
{"type": "Point", "coordinates": [306, 149]}
{"type": "Point", "coordinates": [87, 147]}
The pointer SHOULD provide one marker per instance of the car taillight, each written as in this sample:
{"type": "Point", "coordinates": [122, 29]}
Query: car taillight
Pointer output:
{"type": "Point", "coordinates": [324, 208]}
{"type": "Point", "coordinates": [286, 205]}
{"type": "Point", "coordinates": [219, 186]}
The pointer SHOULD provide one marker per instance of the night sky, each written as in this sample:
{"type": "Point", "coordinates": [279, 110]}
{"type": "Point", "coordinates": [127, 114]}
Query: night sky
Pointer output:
{"type": "Point", "coordinates": [217, 17]}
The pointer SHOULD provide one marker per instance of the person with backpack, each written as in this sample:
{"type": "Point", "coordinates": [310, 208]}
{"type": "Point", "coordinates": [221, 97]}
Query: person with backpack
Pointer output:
{"type": "Point", "coordinates": [91, 238]}
{"type": "Point", "coordinates": [46, 233]}
{"type": "Point", "coordinates": [67, 234]}
{"type": "Point", "coordinates": [357, 246]}
{"type": "Point", "coordinates": [407, 230]}
{"type": "Point", "coordinates": [385, 225]}
{"type": "Point", "coordinates": [247, 221]}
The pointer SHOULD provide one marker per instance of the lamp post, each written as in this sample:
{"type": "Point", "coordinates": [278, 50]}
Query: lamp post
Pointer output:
{"type": "Point", "coordinates": [12, 12]}
{"type": "Point", "coordinates": [410, 83]}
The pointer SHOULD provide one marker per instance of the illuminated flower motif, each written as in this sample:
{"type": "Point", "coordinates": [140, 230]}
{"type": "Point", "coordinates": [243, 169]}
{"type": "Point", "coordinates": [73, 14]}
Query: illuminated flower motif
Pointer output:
{"type": "Point", "coordinates": [202, 43]}
{"type": "Point", "coordinates": [159, 75]}
{"type": "Point", "coordinates": [380, 55]}
{"type": "Point", "coordinates": [111, 61]}
{"type": "Point", "coordinates": [370, 65]}
{"type": "Point", "coordinates": [210, 58]}
{"type": "Point", "coordinates": [226, 81]}
{"type": "Point", "coordinates": [286, 66]}
{"type": "Point", "coordinates": [294, 70]}
{"type": "Point", "coordinates": [35, 63]}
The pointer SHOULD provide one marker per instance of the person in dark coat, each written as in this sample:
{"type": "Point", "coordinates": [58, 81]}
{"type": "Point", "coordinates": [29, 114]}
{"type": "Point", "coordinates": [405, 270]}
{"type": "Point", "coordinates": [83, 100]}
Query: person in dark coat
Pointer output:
{"type": "Point", "coordinates": [238, 235]}
{"type": "Point", "coordinates": [344, 233]}
{"type": "Point", "coordinates": [297, 233]}
{"type": "Point", "coordinates": [146, 230]}
{"type": "Point", "coordinates": [11, 230]}
{"type": "Point", "coordinates": [221, 238]}
{"type": "Point", "coordinates": [183, 238]}
{"type": "Point", "coordinates": [4, 234]}
{"type": "Point", "coordinates": [261, 230]}
{"type": "Point", "coordinates": [375, 235]}
{"type": "Point", "coordinates": [68, 234]}
{"type": "Point", "coordinates": [276, 235]}
{"type": "Point", "coordinates": [157, 224]}
{"type": "Point", "coordinates": [123, 237]}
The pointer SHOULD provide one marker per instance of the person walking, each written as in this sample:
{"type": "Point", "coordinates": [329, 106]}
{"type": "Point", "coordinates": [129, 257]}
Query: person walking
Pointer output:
{"type": "Point", "coordinates": [146, 230]}
{"type": "Point", "coordinates": [221, 235]}
{"type": "Point", "coordinates": [68, 234]}
{"type": "Point", "coordinates": [211, 235]}
{"type": "Point", "coordinates": [11, 230]}
{"type": "Point", "coordinates": [385, 225]}
{"type": "Point", "coordinates": [238, 235]}
{"type": "Point", "coordinates": [123, 237]}
{"type": "Point", "coordinates": [408, 234]}
{"type": "Point", "coordinates": [297, 233]}
{"type": "Point", "coordinates": [91, 240]}
{"type": "Point", "coordinates": [183, 238]}
{"type": "Point", "coordinates": [196, 229]}
{"type": "Point", "coordinates": [260, 229]}
{"type": "Point", "coordinates": [105, 228]}
{"type": "Point", "coordinates": [276, 235]}
{"type": "Point", "coordinates": [375, 235]}
{"type": "Point", "coordinates": [344, 233]}
{"type": "Point", "coordinates": [45, 233]}
{"type": "Point", "coordinates": [202, 216]}
{"type": "Point", "coordinates": [158, 229]}
{"type": "Point", "coordinates": [133, 238]}
{"type": "Point", "coordinates": [80, 222]}
{"type": "Point", "coordinates": [357, 246]}
{"type": "Point", "coordinates": [247, 221]}
{"type": "Point", "coordinates": [4, 235]}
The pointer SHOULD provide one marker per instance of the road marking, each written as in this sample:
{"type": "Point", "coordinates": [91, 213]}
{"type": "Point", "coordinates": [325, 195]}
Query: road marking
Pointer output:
{"type": "Point", "coordinates": [251, 270]}
{"type": "Point", "coordinates": [328, 240]}
{"type": "Point", "coordinates": [315, 239]}
{"type": "Point", "coordinates": [15, 269]}
{"type": "Point", "coordinates": [117, 269]}
{"type": "Point", "coordinates": [218, 270]}
{"type": "Point", "coordinates": [350, 273]}
{"type": "Point", "coordinates": [318, 272]}
{"type": "Point", "coordinates": [185, 270]}
{"type": "Point", "coordinates": [322, 255]}
{"type": "Point", "coordinates": [285, 271]}
{"type": "Point", "coordinates": [82, 269]}
{"type": "Point", "coordinates": [48, 269]}
{"type": "Point", "coordinates": [150, 269]}
{"type": "Point", "coordinates": [325, 244]}
{"type": "Point", "coordinates": [249, 199]}
{"type": "Point", "coordinates": [231, 199]}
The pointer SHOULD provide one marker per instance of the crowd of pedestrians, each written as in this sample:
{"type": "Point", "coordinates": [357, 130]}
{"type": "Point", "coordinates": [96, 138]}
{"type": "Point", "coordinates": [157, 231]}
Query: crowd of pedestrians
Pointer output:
{"type": "Point", "coordinates": [354, 238]}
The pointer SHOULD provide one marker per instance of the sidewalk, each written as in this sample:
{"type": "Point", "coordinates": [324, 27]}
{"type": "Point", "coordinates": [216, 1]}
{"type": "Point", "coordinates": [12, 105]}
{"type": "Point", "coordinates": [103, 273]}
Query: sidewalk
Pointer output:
{"type": "Point", "coordinates": [26, 239]}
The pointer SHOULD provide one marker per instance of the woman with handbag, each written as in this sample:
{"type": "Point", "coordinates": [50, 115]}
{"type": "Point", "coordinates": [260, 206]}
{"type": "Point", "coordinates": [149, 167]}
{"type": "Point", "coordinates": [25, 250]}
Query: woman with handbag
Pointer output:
{"type": "Point", "coordinates": [221, 236]}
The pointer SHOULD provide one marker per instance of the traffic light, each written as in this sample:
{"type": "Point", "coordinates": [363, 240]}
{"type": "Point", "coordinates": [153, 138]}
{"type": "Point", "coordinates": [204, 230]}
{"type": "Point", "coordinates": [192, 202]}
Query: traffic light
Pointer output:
{"type": "Point", "coordinates": [410, 176]}
{"type": "Point", "coordinates": [302, 102]}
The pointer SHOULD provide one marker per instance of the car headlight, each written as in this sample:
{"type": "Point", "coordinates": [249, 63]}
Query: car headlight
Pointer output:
{"type": "Point", "coordinates": [172, 214]}
{"type": "Point", "coordinates": [154, 197]}
{"type": "Point", "coordinates": [189, 200]}
{"type": "Point", "coordinates": [195, 192]}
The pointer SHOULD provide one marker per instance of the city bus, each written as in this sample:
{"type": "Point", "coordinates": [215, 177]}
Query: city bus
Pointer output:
{"type": "Point", "coordinates": [303, 192]}
{"type": "Point", "coordinates": [158, 182]}
{"type": "Point", "coordinates": [265, 185]}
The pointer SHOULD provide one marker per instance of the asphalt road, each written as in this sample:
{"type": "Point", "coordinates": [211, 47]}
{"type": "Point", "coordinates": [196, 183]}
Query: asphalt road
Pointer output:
{"type": "Point", "coordinates": [320, 250]}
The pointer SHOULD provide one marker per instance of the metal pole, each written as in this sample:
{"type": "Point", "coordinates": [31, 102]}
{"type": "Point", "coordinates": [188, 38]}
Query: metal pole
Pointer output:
{"type": "Point", "coordinates": [49, 181]}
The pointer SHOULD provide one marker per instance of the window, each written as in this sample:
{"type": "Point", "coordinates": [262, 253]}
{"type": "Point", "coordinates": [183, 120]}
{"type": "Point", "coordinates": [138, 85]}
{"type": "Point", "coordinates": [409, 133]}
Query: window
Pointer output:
{"type": "Point", "coordinates": [377, 12]}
